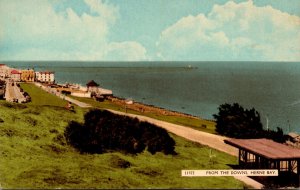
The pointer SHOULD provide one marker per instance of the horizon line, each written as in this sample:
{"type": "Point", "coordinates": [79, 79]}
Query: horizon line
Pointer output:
{"type": "Point", "coordinates": [103, 61]}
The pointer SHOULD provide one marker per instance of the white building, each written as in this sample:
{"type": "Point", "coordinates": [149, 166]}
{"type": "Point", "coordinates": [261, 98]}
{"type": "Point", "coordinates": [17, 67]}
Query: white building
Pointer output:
{"type": "Point", "coordinates": [15, 75]}
{"type": "Point", "coordinates": [4, 71]}
{"type": "Point", "coordinates": [45, 76]}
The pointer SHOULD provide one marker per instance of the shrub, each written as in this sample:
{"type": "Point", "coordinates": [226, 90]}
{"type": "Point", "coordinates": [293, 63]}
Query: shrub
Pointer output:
{"type": "Point", "coordinates": [65, 92]}
{"type": "Point", "coordinates": [104, 131]}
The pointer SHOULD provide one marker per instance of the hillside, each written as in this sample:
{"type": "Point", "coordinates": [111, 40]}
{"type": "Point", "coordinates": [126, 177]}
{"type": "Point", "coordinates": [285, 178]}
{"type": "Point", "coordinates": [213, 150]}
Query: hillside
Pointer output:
{"type": "Point", "coordinates": [34, 155]}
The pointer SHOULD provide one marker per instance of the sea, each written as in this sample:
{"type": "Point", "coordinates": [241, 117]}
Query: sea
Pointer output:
{"type": "Point", "coordinates": [196, 88]}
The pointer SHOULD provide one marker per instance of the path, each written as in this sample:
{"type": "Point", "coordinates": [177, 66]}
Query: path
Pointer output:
{"type": "Point", "coordinates": [211, 140]}
{"type": "Point", "coordinates": [78, 103]}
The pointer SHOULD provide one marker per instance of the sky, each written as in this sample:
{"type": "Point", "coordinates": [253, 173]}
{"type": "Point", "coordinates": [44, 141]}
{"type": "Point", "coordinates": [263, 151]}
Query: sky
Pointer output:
{"type": "Point", "coordinates": [150, 30]}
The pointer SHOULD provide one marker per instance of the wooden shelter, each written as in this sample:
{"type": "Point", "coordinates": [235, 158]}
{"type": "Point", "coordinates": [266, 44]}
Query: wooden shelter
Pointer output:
{"type": "Point", "coordinates": [267, 154]}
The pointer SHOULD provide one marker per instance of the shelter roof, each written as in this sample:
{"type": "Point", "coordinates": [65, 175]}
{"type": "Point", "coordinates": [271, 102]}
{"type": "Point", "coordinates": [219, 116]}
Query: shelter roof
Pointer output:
{"type": "Point", "coordinates": [92, 83]}
{"type": "Point", "coordinates": [266, 148]}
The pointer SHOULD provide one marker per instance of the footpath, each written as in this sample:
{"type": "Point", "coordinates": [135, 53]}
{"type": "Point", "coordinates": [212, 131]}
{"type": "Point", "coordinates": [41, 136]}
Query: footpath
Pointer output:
{"type": "Point", "coordinates": [78, 103]}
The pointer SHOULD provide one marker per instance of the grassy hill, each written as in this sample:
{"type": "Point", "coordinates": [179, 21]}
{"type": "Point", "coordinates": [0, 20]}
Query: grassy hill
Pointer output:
{"type": "Point", "coordinates": [33, 154]}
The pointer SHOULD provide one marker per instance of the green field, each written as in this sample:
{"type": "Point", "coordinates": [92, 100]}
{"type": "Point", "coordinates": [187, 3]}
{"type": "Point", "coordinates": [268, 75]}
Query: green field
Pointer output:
{"type": "Point", "coordinates": [34, 155]}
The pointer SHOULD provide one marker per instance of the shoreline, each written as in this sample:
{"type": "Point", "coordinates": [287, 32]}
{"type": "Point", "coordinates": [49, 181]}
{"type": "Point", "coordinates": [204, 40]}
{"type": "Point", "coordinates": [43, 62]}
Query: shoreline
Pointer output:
{"type": "Point", "coordinates": [147, 108]}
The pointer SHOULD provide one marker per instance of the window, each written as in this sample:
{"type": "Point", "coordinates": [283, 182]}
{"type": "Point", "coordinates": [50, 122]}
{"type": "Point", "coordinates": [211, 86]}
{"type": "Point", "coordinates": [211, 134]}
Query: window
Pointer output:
{"type": "Point", "coordinates": [284, 166]}
{"type": "Point", "coordinates": [250, 157]}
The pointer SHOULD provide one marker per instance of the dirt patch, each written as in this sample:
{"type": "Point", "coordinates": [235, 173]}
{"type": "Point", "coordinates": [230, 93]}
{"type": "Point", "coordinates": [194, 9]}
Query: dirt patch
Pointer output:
{"type": "Point", "coordinates": [151, 172]}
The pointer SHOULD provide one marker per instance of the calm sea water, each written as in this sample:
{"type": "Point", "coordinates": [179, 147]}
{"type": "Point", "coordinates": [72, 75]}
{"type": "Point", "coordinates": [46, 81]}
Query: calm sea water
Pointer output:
{"type": "Point", "coordinates": [273, 89]}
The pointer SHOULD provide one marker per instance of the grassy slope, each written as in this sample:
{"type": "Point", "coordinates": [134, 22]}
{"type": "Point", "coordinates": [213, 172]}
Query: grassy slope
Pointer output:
{"type": "Point", "coordinates": [190, 122]}
{"type": "Point", "coordinates": [33, 155]}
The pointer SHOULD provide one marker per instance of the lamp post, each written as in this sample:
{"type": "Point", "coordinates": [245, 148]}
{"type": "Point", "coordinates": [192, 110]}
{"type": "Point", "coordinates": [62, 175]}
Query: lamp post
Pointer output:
{"type": "Point", "coordinates": [267, 122]}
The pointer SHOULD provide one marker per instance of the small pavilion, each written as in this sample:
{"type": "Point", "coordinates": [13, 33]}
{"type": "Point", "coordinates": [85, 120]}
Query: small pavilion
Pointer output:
{"type": "Point", "coordinates": [92, 86]}
{"type": "Point", "coordinates": [267, 154]}
{"type": "Point", "coordinates": [92, 83]}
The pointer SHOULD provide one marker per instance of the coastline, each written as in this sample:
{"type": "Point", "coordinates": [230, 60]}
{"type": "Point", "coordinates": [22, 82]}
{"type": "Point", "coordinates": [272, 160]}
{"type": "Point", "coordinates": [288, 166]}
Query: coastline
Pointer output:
{"type": "Point", "coordinates": [144, 108]}
{"type": "Point", "coordinates": [125, 103]}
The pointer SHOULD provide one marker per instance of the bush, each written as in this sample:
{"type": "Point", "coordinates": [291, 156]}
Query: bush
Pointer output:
{"type": "Point", "coordinates": [103, 131]}
{"type": "Point", "coordinates": [65, 92]}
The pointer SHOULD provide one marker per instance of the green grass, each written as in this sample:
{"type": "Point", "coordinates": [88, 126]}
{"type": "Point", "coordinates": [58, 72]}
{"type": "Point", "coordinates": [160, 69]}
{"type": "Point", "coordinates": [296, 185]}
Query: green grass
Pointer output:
{"type": "Point", "coordinates": [189, 122]}
{"type": "Point", "coordinates": [40, 97]}
{"type": "Point", "coordinates": [34, 154]}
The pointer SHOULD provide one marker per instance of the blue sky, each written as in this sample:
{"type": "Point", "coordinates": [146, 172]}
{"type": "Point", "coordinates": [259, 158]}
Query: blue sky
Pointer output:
{"type": "Point", "coordinates": [150, 30]}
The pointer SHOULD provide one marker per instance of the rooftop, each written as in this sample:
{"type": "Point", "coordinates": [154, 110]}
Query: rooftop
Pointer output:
{"type": "Point", "coordinates": [92, 83]}
{"type": "Point", "coordinates": [266, 148]}
{"type": "Point", "coordinates": [15, 72]}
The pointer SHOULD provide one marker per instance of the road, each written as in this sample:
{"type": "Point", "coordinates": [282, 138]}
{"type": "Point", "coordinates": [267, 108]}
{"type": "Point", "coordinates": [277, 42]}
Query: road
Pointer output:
{"type": "Point", "coordinates": [13, 92]}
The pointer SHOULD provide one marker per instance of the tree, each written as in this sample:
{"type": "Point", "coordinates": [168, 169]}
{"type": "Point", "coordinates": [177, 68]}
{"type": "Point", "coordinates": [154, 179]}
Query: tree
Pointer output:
{"type": "Point", "coordinates": [237, 122]}
{"type": "Point", "coordinates": [277, 136]}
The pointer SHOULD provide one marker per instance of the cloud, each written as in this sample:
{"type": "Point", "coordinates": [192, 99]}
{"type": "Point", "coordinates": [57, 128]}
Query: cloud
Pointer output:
{"type": "Point", "coordinates": [126, 51]}
{"type": "Point", "coordinates": [34, 30]}
{"type": "Point", "coordinates": [233, 31]}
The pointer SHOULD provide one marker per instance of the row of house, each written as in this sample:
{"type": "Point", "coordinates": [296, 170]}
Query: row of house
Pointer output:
{"type": "Point", "coordinates": [26, 75]}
